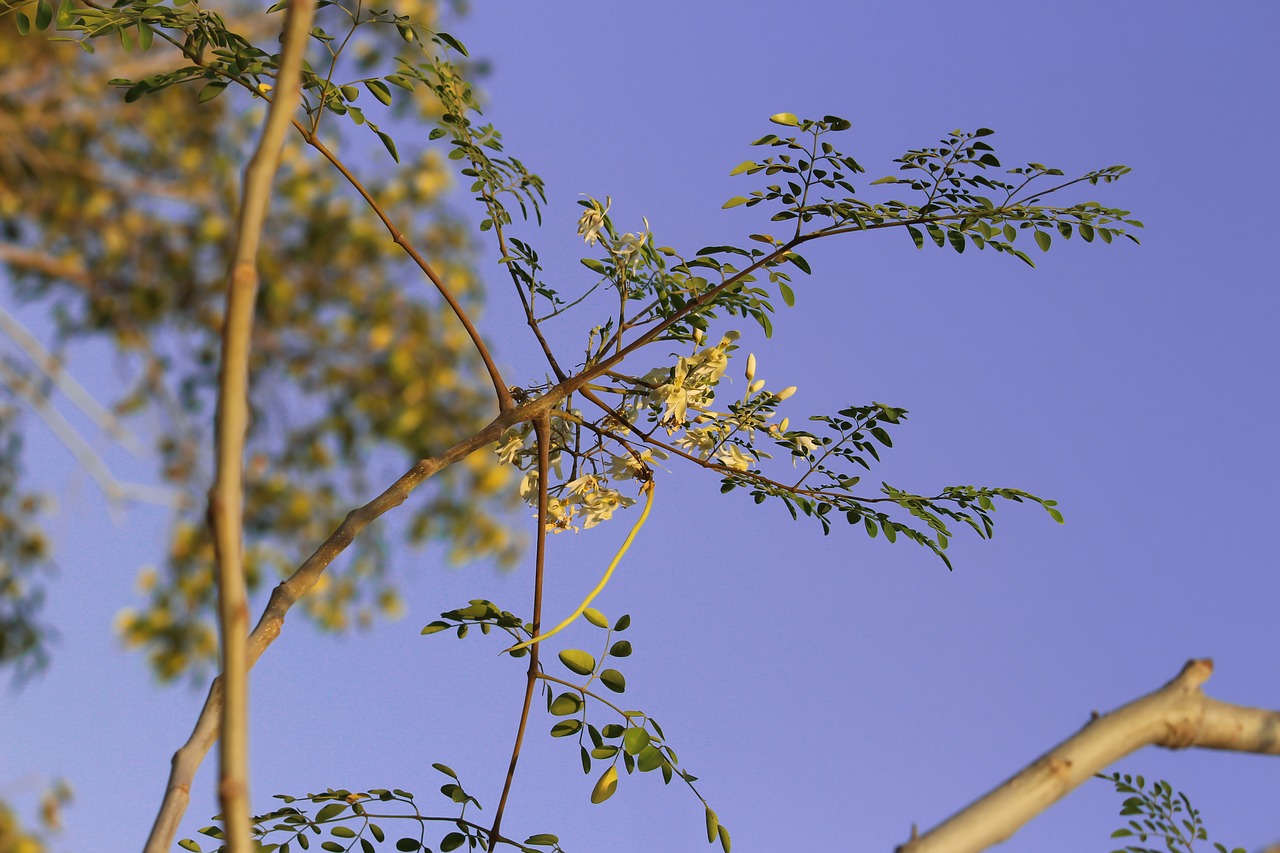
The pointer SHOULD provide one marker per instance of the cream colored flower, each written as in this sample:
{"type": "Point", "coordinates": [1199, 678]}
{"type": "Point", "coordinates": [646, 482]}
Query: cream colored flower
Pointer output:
{"type": "Point", "coordinates": [592, 221]}
{"type": "Point", "coordinates": [511, 444]}
{"type": "Point", "coordinates": [733, 456]}
{"type": "Point", "coordinates": [599, 505]}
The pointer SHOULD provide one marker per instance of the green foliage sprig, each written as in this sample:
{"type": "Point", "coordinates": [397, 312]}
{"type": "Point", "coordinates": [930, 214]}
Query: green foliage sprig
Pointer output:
{"type": "Point", "coordinates": [1161, 813]}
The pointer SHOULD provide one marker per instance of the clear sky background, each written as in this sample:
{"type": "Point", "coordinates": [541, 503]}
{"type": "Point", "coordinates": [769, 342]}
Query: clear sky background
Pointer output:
{"type": "Point", "coordinates": [830, 692]}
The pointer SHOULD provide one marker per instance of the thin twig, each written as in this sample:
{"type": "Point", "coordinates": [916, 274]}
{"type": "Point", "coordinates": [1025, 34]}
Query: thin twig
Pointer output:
{"type": "Point", "coordinates": [542, 428]}
{"type": "Point", "coordinates": [67, 384]}
{"type": "Point", "coordinates": [115, 489]}
{"type": "Point", "coordinates": [505, 402]}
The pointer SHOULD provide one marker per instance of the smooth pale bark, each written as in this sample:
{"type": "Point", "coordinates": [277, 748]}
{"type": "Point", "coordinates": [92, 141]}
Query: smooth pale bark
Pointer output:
{"type": "Point", "coordinates": [1176, 716]}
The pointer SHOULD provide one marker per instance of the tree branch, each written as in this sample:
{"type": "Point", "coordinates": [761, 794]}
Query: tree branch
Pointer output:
{"type": "Point", "coordinates": [505, 402]}
{"type": "Point", "coordinates": [226, 497]}
{"type": "Point", "coordinates": [186, 761]}
{"type": "Point", "coordinates": [542, 427]}
{"type": "Point", "coordinates": [1176, 716]}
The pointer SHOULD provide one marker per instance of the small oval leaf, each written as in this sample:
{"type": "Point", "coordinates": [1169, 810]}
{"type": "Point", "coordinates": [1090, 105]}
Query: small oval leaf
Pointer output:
{"type": "Point", "coordinates": [576, 660]}
{"type": "Point", "coordinates": [605, 786]}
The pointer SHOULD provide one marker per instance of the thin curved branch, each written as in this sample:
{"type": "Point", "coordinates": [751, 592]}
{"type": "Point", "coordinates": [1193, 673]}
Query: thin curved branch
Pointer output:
{"type": "Point", "coordinates": [505, 402]}
{"type": "Point", "coordinates": [1176, 716]}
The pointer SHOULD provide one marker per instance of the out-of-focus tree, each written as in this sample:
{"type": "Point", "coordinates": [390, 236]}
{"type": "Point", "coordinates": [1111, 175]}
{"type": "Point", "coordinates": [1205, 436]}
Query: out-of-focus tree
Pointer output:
{"type": "Point", "coordinates": [115, 220]}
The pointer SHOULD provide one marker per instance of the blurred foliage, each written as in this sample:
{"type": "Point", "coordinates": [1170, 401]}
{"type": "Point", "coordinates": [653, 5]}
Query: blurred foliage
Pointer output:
{"type": "Point", "coordinates": [17, 838]}
{"type": "Point", "coordinates": [24, 560]}
{"type": "Point", "coordinates": [117, 222]}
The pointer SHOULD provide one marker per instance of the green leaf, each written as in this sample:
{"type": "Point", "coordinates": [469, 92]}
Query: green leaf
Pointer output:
{"type": "Point", "coordinates": [343, 832]}
{"type": "Point", "coordinates": [620, 649]}
{"type": "Point", "coordinates": [613, 679]}
{"type": "Point", "coordinates": [725, 843]}
{"type": "Point", "coordinates": [634, 740]}
{"type": "Point", "coordinates": [211, 91]}
{"type": "Point", "coordinates": [446, 770]}
{"type": "Point", "coordinates": [916, 236]}
{"type": "Point", "coordinates": [188, 844]}
{"type": "Point", "coordinates": [733, 202]}
{"type": "Point", "coordinates": [887, 179]}
{"type": "Point", "coordinates": [566, 704]}
{"type": "Point", "coordinates": [330, 811]}
{"type": "Point", "coordinates": [24, 24]}
{"type": "Point", "coordinates": [66, 14]}
{"type": "Point", "coordinates": [453, 43]}
{"type": "Point", "coordinates": [146, 35]}
{"type": "Point", "coordinates": [576, 660]}
{"type": "Point", "coordinates": [650, 758]}
{"type": "Point", "coordinates": [332, 846]}
{"type": "Point", "coordinates": [624, 622]}
{"type": "Point", "coordinates": [799, 262]}
{"type": "Point", "coordinates": [542, 838]}
{"type": "Point", "coordinates": [785, 119]}
{"type": "Point", "coordinates": [593, 265]}
{"type": "Point", "coordinates": [406, 845]}
{"type": "Point", "coordinates": [605, 786]}
{"type": "Point", "coordinates": [379, 90]}
{"type": "Point", "coordinates": [390, 144]}
{"type": "Point", "coordinates": [436, 627]}
{"type": "Point", "coordinates": [452, 841]}
{"type": "Point", "coordinates": [595, 617]}
{"type": "Point", "coordinates": [788, 295]}
{"type": "Point", "coordinates": [44, 14]}
{"type": "Point", "coordinates": [713, 826]}
{"type": "Point", "coordinates": [743, 167]}
{"type": "Point", "coordinates": [1043, 240]}
{"type": "Point", "coordinates": [564, 728]}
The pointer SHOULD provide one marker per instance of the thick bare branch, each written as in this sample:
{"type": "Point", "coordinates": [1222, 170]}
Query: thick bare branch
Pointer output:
{"type": "Point", "coordinates": [1176, 716]}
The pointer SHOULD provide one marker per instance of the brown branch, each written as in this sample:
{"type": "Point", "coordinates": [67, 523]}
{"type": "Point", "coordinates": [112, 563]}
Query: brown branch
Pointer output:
{"type": "Point", "coordinates": [1176, 716]}
{"type": "Point", "coordinates": [505, 402]}
{"type": "Point", "coordinates": [226, 497]}
{"type": "Point", "coordinates": [187, 760]}
{"type": "Point", "coordinates": [542, 427]}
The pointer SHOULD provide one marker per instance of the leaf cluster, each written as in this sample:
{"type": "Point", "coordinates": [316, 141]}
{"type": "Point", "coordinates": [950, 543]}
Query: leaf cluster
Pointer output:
{"type": "Point", "coordinates": [1159, 813]}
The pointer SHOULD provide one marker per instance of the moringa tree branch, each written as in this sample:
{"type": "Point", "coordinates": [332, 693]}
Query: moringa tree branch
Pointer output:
{"type": "Point", "coordinates": [1176, 716]}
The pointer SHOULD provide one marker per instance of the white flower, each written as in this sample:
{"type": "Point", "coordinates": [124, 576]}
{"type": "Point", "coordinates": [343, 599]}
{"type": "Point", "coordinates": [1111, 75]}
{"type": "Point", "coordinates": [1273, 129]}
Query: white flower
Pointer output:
{"type": "Point", "coordinates": [625, 466]}
{"type": "Point", "coordinates": [627, 247]}
{"type": "Point", "coordinates": [559, 516]}
{"type": "Point", "coordinates": [509, 446]}
{"type": "Point", "coordinates": [591, 222]}
{"type": "Point", "coordinates": [701, 440]}
{"type": "Point", "coordinates": [733, 456]}
{"type": "Point", "coordinates": [805, 444]}
{"type": "Point", "coordinates": [600, 505]}
{"type": "Point", "coordinates": [529, 487]}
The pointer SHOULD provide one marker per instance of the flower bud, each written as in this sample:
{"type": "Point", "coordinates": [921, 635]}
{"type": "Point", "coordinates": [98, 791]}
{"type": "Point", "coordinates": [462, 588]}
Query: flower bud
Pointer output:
{"type": "Point", "coordinates": [751, 367]}
{"type": "Point", "coordinates": [697, 337]}
{"type": "Point", "coordinates": [786, 422]}
{"type": "Point", "coordinates": [786, 392]}
{"type": "Point", "coordinates": [756, 386]}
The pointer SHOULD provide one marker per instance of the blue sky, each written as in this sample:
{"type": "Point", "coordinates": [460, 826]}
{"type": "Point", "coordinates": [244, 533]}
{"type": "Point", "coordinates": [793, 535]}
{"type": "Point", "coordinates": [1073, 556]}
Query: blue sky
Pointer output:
{"type": "Point", "coordinates": [828, 691]}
